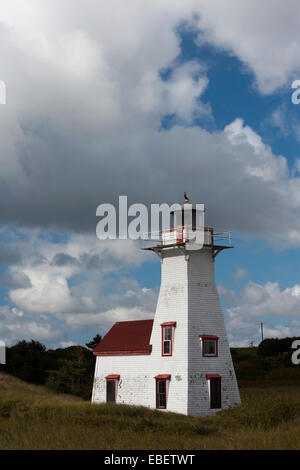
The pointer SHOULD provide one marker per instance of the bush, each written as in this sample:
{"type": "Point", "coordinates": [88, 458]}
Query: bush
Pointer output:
{"type": "Point", "coordinates": [269, 347]}
{"type": "Point", "coordinates": [251, 370]}
{"type": "Point", "coordinates": [28, 361]}
{"type": "Point", "coordinates": [74, 372]}
{"type": "Point", "coordinates": [69, 370]}
{"type": "Point", "coordinates": [275, 346]}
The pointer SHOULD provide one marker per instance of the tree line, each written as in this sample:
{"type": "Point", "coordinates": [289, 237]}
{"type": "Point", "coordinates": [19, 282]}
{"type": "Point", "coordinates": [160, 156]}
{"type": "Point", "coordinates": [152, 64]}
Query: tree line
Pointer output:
{"type": "Point", "coordinates": [276, 346]}
{"type": "Point", "coordinates": [71, 370]}
{"type": "Point", "coordinates": [63, 370]}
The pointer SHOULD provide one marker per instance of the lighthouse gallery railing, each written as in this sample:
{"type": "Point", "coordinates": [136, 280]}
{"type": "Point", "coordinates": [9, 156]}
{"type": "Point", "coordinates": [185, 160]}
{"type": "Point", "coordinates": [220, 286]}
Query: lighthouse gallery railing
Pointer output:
{"type": "Point", "coordinates": [180, 235]}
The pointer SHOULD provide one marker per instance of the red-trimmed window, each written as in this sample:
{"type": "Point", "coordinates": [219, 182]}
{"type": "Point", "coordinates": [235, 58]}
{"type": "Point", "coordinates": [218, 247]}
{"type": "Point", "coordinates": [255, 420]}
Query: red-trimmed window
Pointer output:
{"type": "Point", "coordinates": [214, 383]}
{"type": "Point", "coordinates": [209, 345]}
{"type": "Point", "coordinates": [111, 387]}
{"type": "Point", "coordinates": [161, 390]}
{"type": "Point", "coordinates": [167, 336]}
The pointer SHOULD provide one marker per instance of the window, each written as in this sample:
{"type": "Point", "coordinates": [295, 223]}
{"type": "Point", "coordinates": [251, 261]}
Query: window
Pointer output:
{"type": "Point", "coordinates": [111, 387]}
{"type": "Point", "coordinates": [161, 385]}
{"type": "Point", "coordinates": [167, 339]}
{"type": "Point", "coordinates": [214, 383]}
{"type": "Point", "coordinates": [209, 345]}
{"type": "Point", "coordinates": [167, 333]}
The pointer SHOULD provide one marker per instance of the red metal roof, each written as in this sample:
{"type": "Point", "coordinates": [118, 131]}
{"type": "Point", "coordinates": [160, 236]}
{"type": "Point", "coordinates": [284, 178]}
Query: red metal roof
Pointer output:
{"type": "Point", "coordinates": [126, 337]}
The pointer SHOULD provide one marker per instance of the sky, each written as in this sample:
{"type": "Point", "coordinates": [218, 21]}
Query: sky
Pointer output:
{"type": "Point", "coordinates": [146, 99]}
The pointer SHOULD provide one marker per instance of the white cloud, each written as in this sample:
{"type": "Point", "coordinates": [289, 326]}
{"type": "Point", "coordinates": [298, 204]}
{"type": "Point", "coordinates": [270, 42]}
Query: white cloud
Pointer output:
{"type": "Point", "coordinates": [240, 273]}
{"type": "Point", "coordinates": [66, 344]}
{"type": "Point", "coordinates": [182, 90]}
{"type": "Point", "coordinates": [82, 124]}
{"type": "Point", "coordinates": [81, 288]}
{"type": "Point", "coordinates": [262, 165]}
{"type": "Point", "coordinates": [105, 320]}
{"type": "Point", "coordinates": [262, 34]}
{"type": "Point", "coordinates": [258, 300]}
{"type": "Point", "coordinates": [257, 303]}
{"type": "Point", "coordinates": [286, 121]}
{"type": "Point", "coordinates": [179, 95]}
{"type": "Point", "coordinates": [279, 119]}
{"type": "Point", "coordinates": [16, 325]}
{"type": "Point", "coordinates": [49, 293]}
{"type": "Point", "coordinates": [66, 296]}
{"type": "Point", "coordinates": [49, 290]}
{"type": "Point", "coordinates": [90, 130]}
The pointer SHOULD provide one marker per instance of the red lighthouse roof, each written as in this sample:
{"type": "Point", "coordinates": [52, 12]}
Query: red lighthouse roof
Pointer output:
{"type": "Point", "coordinates": [126, 337]}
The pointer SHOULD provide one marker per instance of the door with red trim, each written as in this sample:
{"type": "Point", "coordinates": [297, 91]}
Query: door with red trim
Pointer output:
{"type": "Point", "coordinates": [161, 393]}
{"type": "Point", "coordinates": [110, 390]}
{"type": "Point", "coordinates": [215, 393]}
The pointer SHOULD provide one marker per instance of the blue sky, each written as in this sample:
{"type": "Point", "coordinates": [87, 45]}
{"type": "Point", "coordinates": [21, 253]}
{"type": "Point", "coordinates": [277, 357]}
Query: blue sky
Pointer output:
{"type": "Point", "coordinates": [148, 101]}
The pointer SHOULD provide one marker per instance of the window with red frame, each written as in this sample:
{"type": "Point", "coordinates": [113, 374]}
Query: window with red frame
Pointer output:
{"type": "Point", "coordinates": [167, 333]}
{"type": "Point", "coordinates": [209, 344]}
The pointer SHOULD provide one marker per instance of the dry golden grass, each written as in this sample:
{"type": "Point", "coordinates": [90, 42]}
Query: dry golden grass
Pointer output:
{"type": "Point", "coordinates": [32, 417]}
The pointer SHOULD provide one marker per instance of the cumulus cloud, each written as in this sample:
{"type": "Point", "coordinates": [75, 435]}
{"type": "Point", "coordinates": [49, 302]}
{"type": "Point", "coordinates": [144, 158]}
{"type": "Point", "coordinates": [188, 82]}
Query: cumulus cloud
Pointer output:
{"type": "Point", "coordinates": [257, 300]}
{"type": "Point", "coordinates": [258, 194]}
{"type": "Point", "coordinates": [83, 125]}
{"type": "Point", "coordinates": [55, 278]}
{"type": "Point", "coordinates": [50, 301]}
{"type": "Point", "coordinates": [106, 319]}
{"type": "Point", "coordinates": [15, 280]}
{"type": "Point", "coordinates": [285, 120]}
{"type": "Point", "coordinates": [179, 95]}
{"type": "Point", "coordinates": [88, 87]}
{"type": "Point", "coordinates": [279, 309]}
{"type": "Point", "coordinates": [9, 253]}
{"type": "Point", "coordinates": [16, 324]}
{"type": "Point", "coordinates": [55, 289]}
{"type": "Point", "coordinates": [262, 34]}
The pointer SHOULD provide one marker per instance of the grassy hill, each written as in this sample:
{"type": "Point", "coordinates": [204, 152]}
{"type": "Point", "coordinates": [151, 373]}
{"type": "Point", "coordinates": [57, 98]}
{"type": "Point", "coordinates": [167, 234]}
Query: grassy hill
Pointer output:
{"type": "Point", "coordinates": [32, 417]}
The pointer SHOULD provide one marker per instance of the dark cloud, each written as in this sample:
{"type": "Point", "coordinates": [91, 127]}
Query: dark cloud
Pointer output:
{"type": "Point", "coordinates": [63, 259]}
{"type": "Point", "coordinates": [9, 254]}
{"type": "Point", "coordinates": [15, 280]}
{"type": "Point", "coordinates": [91, 131]}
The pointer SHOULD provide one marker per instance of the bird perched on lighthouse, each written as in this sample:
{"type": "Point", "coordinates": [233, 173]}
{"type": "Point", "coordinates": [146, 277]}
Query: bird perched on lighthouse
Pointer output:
{"type": "Point", "coordinates": [186, 198]}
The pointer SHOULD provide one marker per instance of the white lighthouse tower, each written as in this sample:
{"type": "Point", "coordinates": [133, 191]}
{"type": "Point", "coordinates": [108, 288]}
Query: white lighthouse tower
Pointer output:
{"type": "Point", "coordinates": [189, 300]}
{"type": "Point", "coordinates": [181, 360]}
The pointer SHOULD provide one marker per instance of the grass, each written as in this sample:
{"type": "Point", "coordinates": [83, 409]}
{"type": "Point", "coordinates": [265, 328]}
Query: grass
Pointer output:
{"type": "Point", "coordinates": [32, 417]}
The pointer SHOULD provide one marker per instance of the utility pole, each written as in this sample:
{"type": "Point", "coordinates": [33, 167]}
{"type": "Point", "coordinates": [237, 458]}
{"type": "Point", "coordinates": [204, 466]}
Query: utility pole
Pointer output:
{"type": "Point", "coordinates": [262, 331]}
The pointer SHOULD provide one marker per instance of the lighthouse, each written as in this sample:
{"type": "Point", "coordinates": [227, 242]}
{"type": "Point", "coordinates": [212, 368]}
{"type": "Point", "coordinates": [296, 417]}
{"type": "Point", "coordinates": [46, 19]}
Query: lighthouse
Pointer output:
{"type": "Point", "coordinates": [179, 361]}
